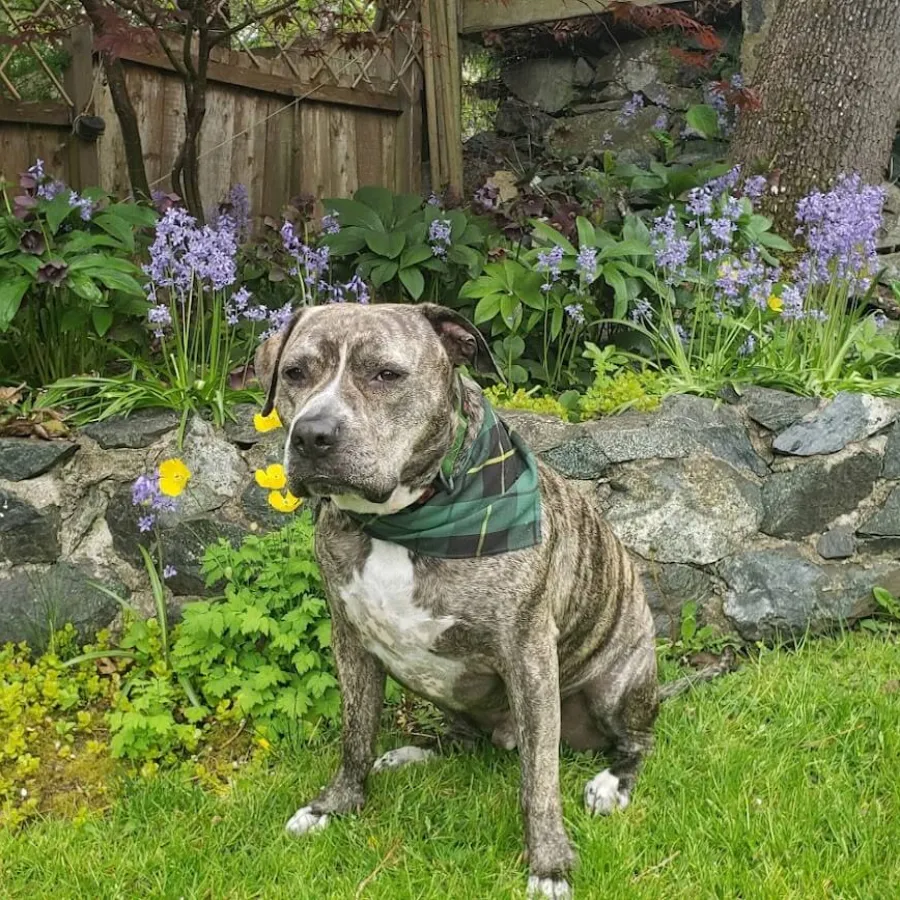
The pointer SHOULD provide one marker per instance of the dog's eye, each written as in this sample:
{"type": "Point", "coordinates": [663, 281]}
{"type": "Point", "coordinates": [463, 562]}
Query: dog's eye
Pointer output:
{"type": "Point", "coordinates": [294, 374]}
{"type": "Point", "coordinates": [388, 375]}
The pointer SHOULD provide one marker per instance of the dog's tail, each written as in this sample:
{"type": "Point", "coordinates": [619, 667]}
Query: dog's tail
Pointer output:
{"type": "Point", "coordinates": [680, 686]}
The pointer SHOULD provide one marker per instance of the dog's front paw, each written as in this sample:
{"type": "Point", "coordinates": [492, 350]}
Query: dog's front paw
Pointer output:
{"type": "Point", "coordinates": [602, 794]}
{"type": "Point", "coordinates": [305, 820]}
{"type": "Point", "coordinates": [548, 888]}
{"type": "Point", "coordinates": [402, 756]}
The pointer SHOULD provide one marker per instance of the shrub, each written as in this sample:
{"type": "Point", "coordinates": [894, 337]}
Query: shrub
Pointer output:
{"type": "Point", "coordinates": [70, 296]}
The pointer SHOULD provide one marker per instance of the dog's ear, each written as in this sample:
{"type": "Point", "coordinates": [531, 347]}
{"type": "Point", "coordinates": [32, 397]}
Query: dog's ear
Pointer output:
{"type": "Point", "coordinates": [464, 343]}
{"type": "Point", "coordinates": [267, 360]}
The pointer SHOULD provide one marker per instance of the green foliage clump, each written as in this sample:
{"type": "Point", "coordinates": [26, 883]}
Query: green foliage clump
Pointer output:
{"type": "Point", "coordinates": [263, 649]}
{"type": "Point", "coordinates": [521, 399]}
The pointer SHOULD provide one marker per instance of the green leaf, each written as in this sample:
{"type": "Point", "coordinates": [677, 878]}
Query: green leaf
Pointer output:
{"type": "Point", "coordinates": [73, 319]}
{"type": "Point", "coordinates": [616, 281]}
{"type": "Point", "coordinates": [378, 198]}
{"type": "Point", "coordinates": [551, 236]}
{"type": "Point", "coordinates": [465, 256]}
{"type": "Point", "coordinates": [405, 205]}
{"type": "Point", "coordinates": [116, 281]}
{"type": "Point", "coordinates": [84, 287]}
{"type": "Point", "coordinates": [58, 210]}
{"type": "Point", "coordinates": [586, 235]}
{"type": "Point", "coordinates": [703, 119]}
{"type": "Point", "coordinates": [383, 273]}
{"type": "Point", "coordinates": [481, 286]}
{"type": "Point", "coordinates": [626, 248]}
{"type": "Point", "coordinates": [138, 216]}
{"type": "Point", "coordinates": [388, 245]}
{"type": "Point", "coordinates": [510, 311]}
{"type": "Point", "coordinates": [518, 374]}
{"type": "Point", "coordinates": [118, 228]}
{"type": "Point", "coordinates": [556, 322]}
{"type": "Point", "coordinates": [414, 282]}
{"type": "Point", "coordinates": [488, 307]}
{"type": "Point", "coordinates": [412, 256]}
{"type": "Point", "coordinates": [11, 294]}
{"type": "Point", "coordinates": [774, 241]}
{"type": "Point", "coordinates": [347, 241]}
{"type": "Point", "coordinates": [352, 213]}
{"type": "Point", "coordinates": [102, 317]}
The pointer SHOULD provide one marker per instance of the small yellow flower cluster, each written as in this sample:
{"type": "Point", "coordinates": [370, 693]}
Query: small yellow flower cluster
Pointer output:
{"type": "Point", "coordinates": [173, 477]}
{"type": "Point", "coordinates": [273, 478]}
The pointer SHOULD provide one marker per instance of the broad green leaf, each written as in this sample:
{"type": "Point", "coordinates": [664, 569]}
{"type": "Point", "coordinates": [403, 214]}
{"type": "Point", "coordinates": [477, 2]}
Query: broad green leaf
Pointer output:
{"type": "Point", "coordinates": [378, 198]}
{"type": "Point", "coordinates": [774, 241]}
{"type": "Point", "coordinates": [383, 273]}
{"type": "Point", "coordinates": [703, 119]}
{"type": "Point", "coordinates": [518, 374]}
{"type": "Point", "coordinates": [116, 281]}
{"type": "Point", "coordinates": [352, 213]}
{"type": "Point", "coordinates": [58, 210]}
{"type": "Point", "coordinates": [616, 281]}
{"type": "Point", "coordinates": [586, 234]}
{"type": "Point", "coordinates": [102, 317]}
{"type": "Point", "coordinates": [84, 287]}
{"type": "Point", "coordinates": [551, 236]}
{"type": "Point", "coordinates": [511, 311]}
{"type": "Point", "coordinates": [405, 205]}
{"type": "Point", "coordinates": [388, 245]}
{"type": "Point", "coordinates": [347, 241]}
{"type": "Point", "coordinates": [412, 256]}
{"type": "Point", "coordinates": [626, 248]}
{"type": "Point", "coordinates": [138, 216]}
{"type": "Point", "coordinates": [414, 282]}
{"type": "Point", "coordinates": [73, 319]}
{"type": "Point", "coordinates": [465, 256]}
{"type": "Point", "coordinates": [487, 308]}
{"type": "Point", "coordinates": [121, 230]}
{"type": "Point", "coordinates": [11, 293]}
{"type": "Point", "coordinates": [479, 287]}
{"type": "Point", "coordinates": [556, 322]}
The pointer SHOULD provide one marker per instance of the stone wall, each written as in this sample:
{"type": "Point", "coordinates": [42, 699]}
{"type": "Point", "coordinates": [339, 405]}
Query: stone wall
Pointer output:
{"type": "Point", "coordinates": [774, 513]}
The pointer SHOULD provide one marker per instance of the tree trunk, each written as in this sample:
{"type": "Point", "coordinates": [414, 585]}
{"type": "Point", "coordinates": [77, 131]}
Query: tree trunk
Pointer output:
{"type": "Point", "coordinates": [829, 84]}
{"type": "Point", "coordinates": [118, 89]}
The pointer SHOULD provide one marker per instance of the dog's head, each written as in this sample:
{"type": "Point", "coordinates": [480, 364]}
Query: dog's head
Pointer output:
{"type": "Point", "coordinates": [367, 395]}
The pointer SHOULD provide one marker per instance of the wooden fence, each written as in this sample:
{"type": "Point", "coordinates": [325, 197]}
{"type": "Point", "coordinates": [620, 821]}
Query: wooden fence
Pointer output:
{"type": "Point", "coordinates": [281, 126]}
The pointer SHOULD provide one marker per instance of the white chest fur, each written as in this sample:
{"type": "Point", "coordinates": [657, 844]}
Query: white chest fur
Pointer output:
{"type": "Point", "coordinates": [379, 602]}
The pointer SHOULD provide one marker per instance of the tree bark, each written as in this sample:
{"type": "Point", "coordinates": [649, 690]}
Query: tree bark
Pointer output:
{"type": "Point", "coordinates": [829, 85]}
{"type": "Point", "coordinates": [118, 89]}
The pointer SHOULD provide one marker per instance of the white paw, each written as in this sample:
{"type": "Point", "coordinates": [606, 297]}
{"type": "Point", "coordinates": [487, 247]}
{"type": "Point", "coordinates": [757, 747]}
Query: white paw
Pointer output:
{"type": "Point", "coordinates": [602, 794]}
{"type": "Point", "coordinates": [402, 756]}
{"type": "Point", "coordinates": [548, 888]}
{"type": "Point", "coordinates": [305, 820]}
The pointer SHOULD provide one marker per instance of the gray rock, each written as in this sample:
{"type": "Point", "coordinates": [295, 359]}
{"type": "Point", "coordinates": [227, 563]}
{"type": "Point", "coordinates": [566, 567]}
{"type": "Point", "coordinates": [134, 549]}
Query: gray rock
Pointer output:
{"type": "Point", "coordinates": [580, 459]}
{"type": "Point", "coordinates": [540, 432]}
{"type": "Point", "coordinates": [892, 454]}
{"type": "Point", "coordinates": [517, 118]}
{"type": "Point", "coordinates": [889, 234]}
{"type": "Point", "coordinates": [218, 472]}
{"type": "Point", "coordinates": [693, 511]}
{"type": "Point", "coordinates": [804, 500]}
{"type": "Point", "coordinates": [668, 588]}
{"type": "Point", "coordinates": [21, 458]}
{"type": "Point", "coordinates": [583, 76]}
{"type": "Point", "coordinates": [885, 522]}
{"type": "Point", "coordinates": [775, 594]}
{"type": "Point", "coordinates": [848, 418]}
{"type": "Point", "coordinates": [611, 93]}
{"type": "Point", "coordinates": [141, 429]}
{"type": "Point", "coordinates": [547, 84]}
{"type": "Point", "coordinates": [599, 131]}
{"type": "Point", "coordinates": [241, 430]}
{"type": "Point", "coordinates": [35, 603]}
{"type": "Point", "coordinates": [634, 65]}
{"type": "Point", "coordinates": [838, 543]}
{"type": "Point", "coordinates": [776, 410]}
{"type": "Point", "coordinates": [890, 262]}
{"type": "Point", "coordinates": [256, 507]}
{"type": "Point", "coordinates": [685, 426]}
{"type": "Point", "coordinates": [27, 534]}
{"type": "Point", "coordinates": [672, 97]}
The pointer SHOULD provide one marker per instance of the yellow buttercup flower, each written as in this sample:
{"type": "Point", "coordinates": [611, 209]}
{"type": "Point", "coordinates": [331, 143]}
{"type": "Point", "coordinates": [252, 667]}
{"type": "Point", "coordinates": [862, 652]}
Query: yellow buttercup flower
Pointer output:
{"type": "Point", "coordinates": [173, 477]}
{"type": "Point", "coordinates": [266, 423]}
{"type": "Point", "coordinates": [776, 304]}
{"type": "Point", "coordinates": [284, 502]}
{"type": "Point", "coordinates": [272, 477]}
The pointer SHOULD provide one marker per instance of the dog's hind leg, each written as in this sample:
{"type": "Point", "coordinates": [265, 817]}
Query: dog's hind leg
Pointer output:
{"type": "Point", "coordinates": [627, 719]}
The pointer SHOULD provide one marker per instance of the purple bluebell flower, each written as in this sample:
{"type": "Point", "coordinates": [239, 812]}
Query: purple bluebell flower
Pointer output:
{"type": "Point", "coordinates": [51, 190]}
{"type": "Point", "coordinates": [661, 123]}
{"type": "Point", "coordinates": [879, 319]}
{"type": "Point", "coordinates": [700, 202]}
{"type": "Point", "coordinates": [159, 315]}
{"type": "Point", "coordinates": [682, 334]}
{"type": "Point", "coordinates": [330, 223]}
{"type": "Point", "coordinates": [586, 264]}
{"type": "Point", "coordinates": [486, 198]}
{"type": "Point", "coordinates": [84, 206]}
{"type": "Point", "coordinates": [144, 490]}
{"type": "Point", "coordinates": [439, 236]}
{"type": "Point", "coordinates": [748, 346]}
{"type": "Point", "coordinates": [169, 572]}
{"type": "Point", "coordinates": [146, 522]}
{"type": "Point", "coordinates": [358, 287]}
{"type": "Point", "coordinates": [737, 81]}
{"type": "Point", "coordinates": [548, 261]}
{"type": "Point", "coordinates": [792, 300]}
{"type": "Point", "coordinates": [575, 311]}
{"type": "Point", "coordinates": [754, 186]}
{"type": "Point", "coordinates": [642, 312]}
{"type": "Point", "coordinates": [606, 138]}
{"type": "Point", "coordinates": [722, 230]}
{"type": "Point", "coordinates": [434, 200]}
{"type": "Point", "coordinates": [672, 250]}
{"type": "Point", "coordinates": [37, 170]}
{"type": "Point", "coordinates": [630, 109]}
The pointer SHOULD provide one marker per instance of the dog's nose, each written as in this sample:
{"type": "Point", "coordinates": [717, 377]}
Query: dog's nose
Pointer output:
{"type": "Point", "coordinates": [315, 436]}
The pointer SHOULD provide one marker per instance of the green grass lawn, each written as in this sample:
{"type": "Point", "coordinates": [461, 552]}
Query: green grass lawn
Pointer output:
{"type": "Point", "coordinates": [779, 781]}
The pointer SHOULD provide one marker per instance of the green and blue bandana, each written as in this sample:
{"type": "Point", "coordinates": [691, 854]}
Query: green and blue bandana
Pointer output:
{"type": "Point", "coordinates": [486, 501]}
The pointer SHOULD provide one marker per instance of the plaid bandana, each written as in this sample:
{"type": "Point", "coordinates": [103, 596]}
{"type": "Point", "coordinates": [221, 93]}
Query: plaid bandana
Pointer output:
{"type": "Point", "coordinates": [491, 506]}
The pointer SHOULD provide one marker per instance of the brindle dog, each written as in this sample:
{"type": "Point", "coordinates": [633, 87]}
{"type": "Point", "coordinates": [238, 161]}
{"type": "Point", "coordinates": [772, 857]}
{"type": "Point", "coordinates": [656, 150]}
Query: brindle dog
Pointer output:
{"type": "Point", "coordinates": [531, 646]}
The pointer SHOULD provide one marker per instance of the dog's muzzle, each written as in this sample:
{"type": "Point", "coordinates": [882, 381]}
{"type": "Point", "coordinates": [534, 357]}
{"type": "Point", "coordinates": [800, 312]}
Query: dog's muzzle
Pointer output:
{"type": "Point", "coordinates": [315, 437]}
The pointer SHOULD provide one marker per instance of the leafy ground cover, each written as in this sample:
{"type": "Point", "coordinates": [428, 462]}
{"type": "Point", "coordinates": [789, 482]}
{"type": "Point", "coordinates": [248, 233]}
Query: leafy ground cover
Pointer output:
{"type": "Point", "coordinates": [776, 781]}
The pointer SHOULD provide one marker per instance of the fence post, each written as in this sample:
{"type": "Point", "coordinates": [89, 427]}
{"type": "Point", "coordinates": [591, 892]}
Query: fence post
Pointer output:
{"type": "Point", "coordinates": [84, 160]}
